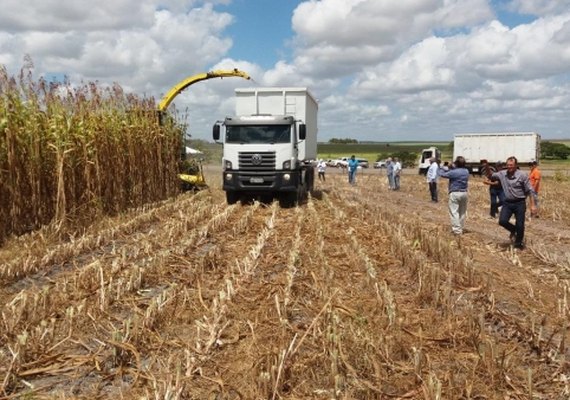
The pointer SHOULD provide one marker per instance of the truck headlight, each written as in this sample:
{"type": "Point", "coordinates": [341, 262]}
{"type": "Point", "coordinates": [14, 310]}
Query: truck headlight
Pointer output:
{"type": "Point", "coordinates": [287, 164]}
{"type": "Point", "coordinates": [227, 164]}
{"type": "Point", "coordinates": [229, 177]}
{"type": "Point", "coordinates": [286, 177]}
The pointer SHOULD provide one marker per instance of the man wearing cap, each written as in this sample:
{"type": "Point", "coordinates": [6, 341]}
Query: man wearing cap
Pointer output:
{"type": "Point", "coordinates": [534, 178]}
{"type": "Point", "coordinates": [517, 188]}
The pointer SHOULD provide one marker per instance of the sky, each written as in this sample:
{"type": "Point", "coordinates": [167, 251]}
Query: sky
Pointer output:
{"type": "Point", "coordinates": [381, 70]}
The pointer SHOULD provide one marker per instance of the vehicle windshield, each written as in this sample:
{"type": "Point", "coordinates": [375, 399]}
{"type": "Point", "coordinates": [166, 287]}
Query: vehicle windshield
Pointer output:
{"type": "Point", "coordinates": [258, 134]}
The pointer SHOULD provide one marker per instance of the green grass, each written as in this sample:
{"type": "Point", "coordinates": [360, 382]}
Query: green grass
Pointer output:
{"type": "Point", "coordinates": [371, 151]}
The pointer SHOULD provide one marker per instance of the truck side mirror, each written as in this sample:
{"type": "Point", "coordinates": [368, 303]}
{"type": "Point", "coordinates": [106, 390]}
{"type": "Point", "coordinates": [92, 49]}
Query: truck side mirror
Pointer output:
{"type": "Point", "coordinates": [216, 132]}
{"type": "Point", "coordinates": [302, 131]}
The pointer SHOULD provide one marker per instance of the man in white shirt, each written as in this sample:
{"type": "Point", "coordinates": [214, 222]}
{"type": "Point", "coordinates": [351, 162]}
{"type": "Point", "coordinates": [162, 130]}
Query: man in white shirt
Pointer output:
{"type": "Point", "coordinates": [397, 171]}
{"type": "Point", "coordinates": [321, 168]}
{"type": "Point", "coordinates": [432, 177]}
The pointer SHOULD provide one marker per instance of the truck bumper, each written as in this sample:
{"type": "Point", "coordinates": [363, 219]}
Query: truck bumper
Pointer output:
{"type": "Point", "coordinates": [261, 182]}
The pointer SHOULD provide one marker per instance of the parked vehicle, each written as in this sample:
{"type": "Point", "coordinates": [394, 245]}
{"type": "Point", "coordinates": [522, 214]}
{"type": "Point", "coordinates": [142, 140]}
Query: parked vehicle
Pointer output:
{"type": "Point", "coordinates": [269, 145]}
{"type": "Point", "coordinates": [379, 164]}
{"type": "Point", "coordinates": [340, 162]}
{"type": "Point", "coordinates": [494, 147]}
{"type": "Point", "coordinates": [426, 154]}
{"type": "Point", "coordinates": [362, 162]}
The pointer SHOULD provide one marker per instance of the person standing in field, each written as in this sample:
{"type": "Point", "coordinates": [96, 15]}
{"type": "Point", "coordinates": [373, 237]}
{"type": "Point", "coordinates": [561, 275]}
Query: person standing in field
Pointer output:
{"type": "Point", "coordinates": [517, 188]}
{"type": "Point", "coordinates": [321, 168]}
{"type": "Point", "coordinates": [458, 184]}
{"type": "Point", "coordinates": [352, 167]}
{"type": "Point", "coordinates": [496, 194]}
{"type": "Point", "coordinates": [534, 177]}
{"type": "Point", "coordinates": [397, 172]}
{"type": "Point", "coordinates": [390, 173]}
{"type": "Point", "coordinates": [432, 178]}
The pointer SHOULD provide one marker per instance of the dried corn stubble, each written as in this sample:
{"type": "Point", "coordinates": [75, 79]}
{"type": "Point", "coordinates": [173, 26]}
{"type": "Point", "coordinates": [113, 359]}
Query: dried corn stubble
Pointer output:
{"type": "Point", "coordinates": [275, 302]}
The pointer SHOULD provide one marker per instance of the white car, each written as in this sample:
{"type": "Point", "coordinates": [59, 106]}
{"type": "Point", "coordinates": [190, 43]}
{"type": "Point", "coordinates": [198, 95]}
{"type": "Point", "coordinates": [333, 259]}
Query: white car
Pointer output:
{"type": "Point", "coordinates": [380, 164]}
{"type": "Point", "coordinates": [340, 163]}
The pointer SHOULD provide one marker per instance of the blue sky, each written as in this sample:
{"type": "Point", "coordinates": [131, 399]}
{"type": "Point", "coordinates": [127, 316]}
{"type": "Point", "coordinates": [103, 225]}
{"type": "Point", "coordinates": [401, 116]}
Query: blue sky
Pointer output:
{"type": "Point", "coordinates": [261, 30]}
{"type": "Point", "coordinates": [381, 69]}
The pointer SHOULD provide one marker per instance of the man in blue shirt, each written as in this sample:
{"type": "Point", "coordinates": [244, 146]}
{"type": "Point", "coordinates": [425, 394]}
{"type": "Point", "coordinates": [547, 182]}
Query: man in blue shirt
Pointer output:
{"type": "Point", "coordinates": [458, 183]}
{"type": "Point", "coordinates": [352, 166]}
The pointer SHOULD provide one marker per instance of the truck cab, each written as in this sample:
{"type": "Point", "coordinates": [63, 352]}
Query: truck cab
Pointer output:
{"type": "Point", "coordinates": [268, 148]}
{"type": "Point", "coordinates": [426, 154]}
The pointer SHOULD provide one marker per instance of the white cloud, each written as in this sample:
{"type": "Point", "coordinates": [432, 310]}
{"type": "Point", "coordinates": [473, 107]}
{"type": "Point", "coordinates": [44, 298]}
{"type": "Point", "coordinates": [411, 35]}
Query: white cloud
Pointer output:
{"type": "Point", "coordinates": [540, 7]}
{"type": "Point", "coordinates": [63, 15]}
{"type": "Point", "coordinates": [378, 68]}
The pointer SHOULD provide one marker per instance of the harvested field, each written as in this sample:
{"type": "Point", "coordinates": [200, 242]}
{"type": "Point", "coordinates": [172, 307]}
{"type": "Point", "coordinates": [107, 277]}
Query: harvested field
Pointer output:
{"type": "Point", "coordinates": [360, 293]}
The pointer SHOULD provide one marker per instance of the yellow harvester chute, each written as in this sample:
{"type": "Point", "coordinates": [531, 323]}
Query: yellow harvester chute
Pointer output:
{"type": "Point", "coordinates": [194, 181]}
{"type": "Point", "coordinates": [219, 73]}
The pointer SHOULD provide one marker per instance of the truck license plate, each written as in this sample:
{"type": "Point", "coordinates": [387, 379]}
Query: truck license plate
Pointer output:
{"type": "Point", "coordinates": [256, 180]}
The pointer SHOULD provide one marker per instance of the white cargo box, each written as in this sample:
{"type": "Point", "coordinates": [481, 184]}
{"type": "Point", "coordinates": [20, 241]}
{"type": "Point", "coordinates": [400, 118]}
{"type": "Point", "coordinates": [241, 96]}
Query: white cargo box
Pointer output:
{"type": "Point", "coordinates": [294, 101]}
{"type": "Point", "coordinates": [494, 147]}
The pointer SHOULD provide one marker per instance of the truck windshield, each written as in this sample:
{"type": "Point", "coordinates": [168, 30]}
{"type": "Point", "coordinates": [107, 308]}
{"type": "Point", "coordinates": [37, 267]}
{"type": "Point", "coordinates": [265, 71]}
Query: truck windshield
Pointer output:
{"type": "Point", "coordinates": [258, 134]}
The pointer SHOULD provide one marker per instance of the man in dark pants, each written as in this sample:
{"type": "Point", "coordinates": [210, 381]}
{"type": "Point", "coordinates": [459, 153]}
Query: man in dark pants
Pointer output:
{"type": "Point", "coordinates": [516, 187]}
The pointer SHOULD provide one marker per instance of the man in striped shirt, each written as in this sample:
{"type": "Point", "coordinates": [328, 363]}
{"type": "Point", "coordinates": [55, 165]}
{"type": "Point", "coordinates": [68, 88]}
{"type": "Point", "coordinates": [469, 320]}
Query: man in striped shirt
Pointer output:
{"type": "Point", "coordinates": [517, 188]}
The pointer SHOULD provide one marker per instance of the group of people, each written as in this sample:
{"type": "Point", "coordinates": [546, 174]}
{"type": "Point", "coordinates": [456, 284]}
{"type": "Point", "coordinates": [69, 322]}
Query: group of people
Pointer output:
{"type": "Point", "coordinates": [351, 166]}
{"type": "Point", "coordinates": [393, 172]}
{"type": "Point", "coordinates": [508, 190]}
{"type": "Point", "coordinates": [509, 187]}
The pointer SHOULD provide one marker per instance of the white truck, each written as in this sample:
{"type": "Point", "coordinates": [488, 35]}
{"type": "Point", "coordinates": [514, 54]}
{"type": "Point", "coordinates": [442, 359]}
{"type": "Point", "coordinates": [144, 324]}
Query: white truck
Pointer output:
{"type": "Point", "coordinates": [426, 154]}
{"type": "Point", "coordinates": [478, 148]}
{"type": "Point", "coordinates": [270, 145]}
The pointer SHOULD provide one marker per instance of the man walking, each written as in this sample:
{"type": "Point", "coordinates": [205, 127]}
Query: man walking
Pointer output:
{"type": "Point", "coordinates": [458, 183]}
{"type": "Point", "coordinates": [321, 168]}
{"type": "Point", "coordinates": [517, 188]}
{"type": "Point", "coordinates": [432, 177]}
{"type": "Point", "coordinates": [397, 171]}
{"type": "Point", "coordinates": [352, 167]}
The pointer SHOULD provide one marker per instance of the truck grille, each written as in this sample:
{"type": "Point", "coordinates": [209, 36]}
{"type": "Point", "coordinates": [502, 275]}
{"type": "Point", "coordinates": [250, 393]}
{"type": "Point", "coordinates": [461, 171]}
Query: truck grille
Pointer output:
{"type": "Point", "coordinates": [257, 161]}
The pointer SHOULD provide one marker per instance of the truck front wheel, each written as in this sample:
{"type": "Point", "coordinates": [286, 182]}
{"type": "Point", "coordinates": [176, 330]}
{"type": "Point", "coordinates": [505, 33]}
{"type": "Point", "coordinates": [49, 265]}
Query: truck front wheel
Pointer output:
{"type": "Point", "coordinates": [288, 199]}
{"type": "Point", "coordinates": [232, 197]}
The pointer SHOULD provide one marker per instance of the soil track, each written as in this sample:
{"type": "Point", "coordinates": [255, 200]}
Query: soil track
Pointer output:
{"type": "Point", "coordinates": [361, 292]}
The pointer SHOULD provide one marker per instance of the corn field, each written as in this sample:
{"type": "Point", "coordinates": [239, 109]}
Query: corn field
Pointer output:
{"type": "Point", "coordinates": [359, 293]}
{"type": "Point", "coordinates": [71, 153]}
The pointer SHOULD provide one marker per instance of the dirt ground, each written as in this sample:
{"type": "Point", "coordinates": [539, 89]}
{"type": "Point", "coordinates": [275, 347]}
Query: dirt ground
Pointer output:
{"type": "Point", "coordinates": [359, 293]}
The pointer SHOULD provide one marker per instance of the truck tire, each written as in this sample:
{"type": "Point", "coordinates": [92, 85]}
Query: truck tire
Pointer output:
{"type": "Point", "coordinates": [288, 199]}
{"type": "Point", "coordinates": [310, 180]}
{"type": "Point", "coordinates": [232, 197]}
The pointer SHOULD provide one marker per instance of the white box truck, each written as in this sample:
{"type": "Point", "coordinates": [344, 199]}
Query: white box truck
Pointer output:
{"type": "Point", "coordinates": [496, 147]}
{"type": "Point", "coordinates": [270, 145]}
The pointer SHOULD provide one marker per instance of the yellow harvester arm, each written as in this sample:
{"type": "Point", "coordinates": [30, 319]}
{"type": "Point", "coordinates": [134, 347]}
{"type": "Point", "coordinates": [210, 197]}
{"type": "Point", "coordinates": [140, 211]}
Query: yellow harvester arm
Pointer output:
{"type": "Point", "coordinates": [220, 73]}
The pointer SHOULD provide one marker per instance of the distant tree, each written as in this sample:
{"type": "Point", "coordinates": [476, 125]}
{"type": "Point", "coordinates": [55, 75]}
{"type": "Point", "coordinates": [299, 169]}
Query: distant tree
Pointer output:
{"type": "Point", "coordinates": [343, 141]}
{"type": "Point", "coordinates": [554, 150]}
